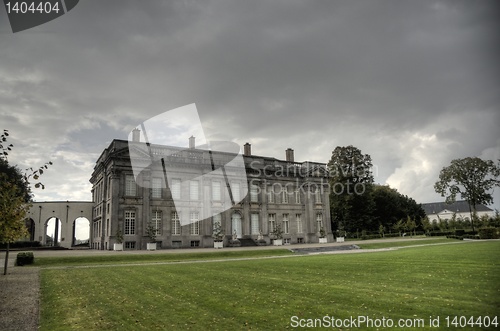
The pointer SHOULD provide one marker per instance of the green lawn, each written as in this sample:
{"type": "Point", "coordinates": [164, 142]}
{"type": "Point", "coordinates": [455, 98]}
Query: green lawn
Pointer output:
{"type": "Point", "coordinates": [390, 244]}
{"type": "Point", "coordinates": [264, 294]}
{"type": "Point", "coordinates": [121, 258]}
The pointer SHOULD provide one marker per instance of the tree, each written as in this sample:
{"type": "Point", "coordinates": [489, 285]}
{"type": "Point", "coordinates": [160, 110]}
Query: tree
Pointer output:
{"type": "Point", "coordinates": [410, 225]}
{"type": "Point", "coordinates": [381, 230]}
{"type": "Point", "coordinates": [472, 178]}
{"type": "Point", "coordinates": [426, 225]}
{"type": "Point", "coordinates": [15, 195]}
{"type": "Point", "coordinates": [351, 183]}
{"type": "Point", "coordinates": [151, 232]}
{"type": "Point", "coordinates": [391, 206]}
{"type": "Point", "coordinates": [398, 226]}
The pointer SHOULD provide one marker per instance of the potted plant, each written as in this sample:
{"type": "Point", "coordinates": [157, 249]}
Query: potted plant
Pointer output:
{"type": "Point", "coordinates": [218, 236]}
{"type": "Point", "coordinates": [322, 236]}
{"type": "Point", "coordinates": [260, 239]}
{"type": "Point", "coordinates": [234, 241]}
{"type": "Point", "coordinates": [340, 236]}
{"type": "Point", "coordinates": [278, 235]}
{"type": "Point", "coordinates": [118, 245]}
{"type": "Point", "coordinates": [151, 233]}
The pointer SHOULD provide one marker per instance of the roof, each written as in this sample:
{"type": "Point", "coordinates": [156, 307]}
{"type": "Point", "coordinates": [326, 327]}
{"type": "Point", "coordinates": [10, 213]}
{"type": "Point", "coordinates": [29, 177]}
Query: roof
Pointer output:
{"type": "Point", "coordinates": [457, 206]}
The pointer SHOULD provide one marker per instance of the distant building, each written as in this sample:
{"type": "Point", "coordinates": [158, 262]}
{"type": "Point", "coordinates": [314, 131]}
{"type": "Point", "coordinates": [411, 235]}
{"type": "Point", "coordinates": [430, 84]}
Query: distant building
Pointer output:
{"type": "Point", "coordinates": [441, 210]}
{"type": "Point", "coordinates": [280, 192]}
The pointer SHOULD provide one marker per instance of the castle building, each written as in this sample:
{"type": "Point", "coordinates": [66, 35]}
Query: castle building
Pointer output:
{"type": "Point", "coordinates": [439, 211]}
{"type": "Point", "coordinates": [183, 205]}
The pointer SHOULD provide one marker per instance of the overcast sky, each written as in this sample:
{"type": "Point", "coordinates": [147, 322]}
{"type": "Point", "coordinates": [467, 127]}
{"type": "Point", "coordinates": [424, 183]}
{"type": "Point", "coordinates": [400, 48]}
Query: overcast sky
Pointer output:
{"type": "Point", "coordinates": [414, 84]}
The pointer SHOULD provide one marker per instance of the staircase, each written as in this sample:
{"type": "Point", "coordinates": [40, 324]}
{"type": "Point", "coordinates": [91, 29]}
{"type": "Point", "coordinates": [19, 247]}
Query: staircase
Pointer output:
{"type": "Point", "coordinates": [246, 242]}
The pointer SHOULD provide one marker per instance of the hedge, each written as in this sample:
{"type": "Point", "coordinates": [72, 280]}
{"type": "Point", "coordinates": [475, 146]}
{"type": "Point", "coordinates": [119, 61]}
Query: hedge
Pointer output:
{"type": "Point", "coordinates": [24, 258]}
{"type": "Point", "coordinates": [489, 233]}
{"type": "Point", "coordinates": [21, 244]}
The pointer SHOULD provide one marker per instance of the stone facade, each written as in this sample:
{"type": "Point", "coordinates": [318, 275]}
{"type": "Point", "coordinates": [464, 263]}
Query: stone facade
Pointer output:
{"type": "Point", "coordinates": [280, 192]}
{"type": "Point", "coordinates": [64, 212]}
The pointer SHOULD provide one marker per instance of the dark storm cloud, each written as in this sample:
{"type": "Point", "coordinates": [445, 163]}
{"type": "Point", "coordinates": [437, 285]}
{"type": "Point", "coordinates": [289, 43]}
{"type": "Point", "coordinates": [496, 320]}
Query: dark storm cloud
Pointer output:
{"type": "Point", "coordinates": [405, 81]}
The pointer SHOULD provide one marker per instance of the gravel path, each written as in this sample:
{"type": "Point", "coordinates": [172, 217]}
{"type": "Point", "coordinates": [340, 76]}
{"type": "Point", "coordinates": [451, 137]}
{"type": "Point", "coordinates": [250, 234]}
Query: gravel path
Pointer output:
{"type": "Point", "coordinates": [19, 298]}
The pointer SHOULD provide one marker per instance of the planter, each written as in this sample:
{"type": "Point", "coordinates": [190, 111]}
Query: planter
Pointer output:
{"type": "Point", "coordinates": [218, 244]}
{"type": "Point", "coordinates": [118, 247]}
{"type": "Point", "coordinates": [278, 242]}
{"type": "Point", "coordinates": [323, 240]}
{"type": "Point", "coordinates": [151, 246]}
{"type": "Point", "coordinates": [340, 239]}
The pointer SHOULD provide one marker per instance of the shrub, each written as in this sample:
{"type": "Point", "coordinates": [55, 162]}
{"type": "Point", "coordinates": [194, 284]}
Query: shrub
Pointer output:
{"type": "Point", "coordinates": [489, 233]}
{"type": "Point", "coordinates": [21, 244]}
{"type": "Point", "coordinates": [391, 235]}
{"type": "Point", "coordinates": [370, 236]}
{"type": "Point", "coordinates": [452, 236]}
{"type": "Point", "coordinates": [24, 258]}
{"type": "Point", "coordinates": [439, 233]}
{"type": "Point", "coordinates": [471, 236]}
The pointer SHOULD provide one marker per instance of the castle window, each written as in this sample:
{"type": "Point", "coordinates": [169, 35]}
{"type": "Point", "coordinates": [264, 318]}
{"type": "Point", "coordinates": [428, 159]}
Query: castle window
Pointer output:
{"type": "Point", "coordinates": [216, 191]}
{"type": "Point", "coordinates": [235, 189]}
{"type": "Point", "coordinates": [272, 222]}
{"type": "Point", "coordinates": [298, 219]}
{"type": "Point", "coordinates": [129, 222]}
{"type": "Point", "coordinates": [270, 196]}
{"type": "Point", "coordinates": [319, 221]}
{"type": "Point", "coordinates": [317, 195]}
{"type": "Point", "coordinates": [254, 193]}
{"type": "Point", "coordinates": [194, 190]}
{"type": "Point", "coordinates": [156, 220]}
{"type": "Point", "coordinates": [254, 221]}
{"type": "Point", "coordinates": [297, 196]}
{"type": "Point", "coordinates": [286, 224]}
{"type": "Point", "coordinates": [284, 195]}
{"type": "Point", "coordinates": [176, 188]}
{"type": "Point", "coordinates": [176, 224]}
{"type": "Point", "coordinates": [194, 225]}
{"type": "Point", "coordinates": [130, 187]}
{"type": "Point", "coordinates": [156, 188]}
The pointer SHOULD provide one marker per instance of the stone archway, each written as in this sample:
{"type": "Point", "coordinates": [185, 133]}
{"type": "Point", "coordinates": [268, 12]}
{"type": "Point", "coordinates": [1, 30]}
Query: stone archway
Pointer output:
{"type": "Point", "coordinates": [65, 211]}
{"type": "Point", "coordinates": [81, 232]}
{"type": "Point", "coordinates": [52, 232]}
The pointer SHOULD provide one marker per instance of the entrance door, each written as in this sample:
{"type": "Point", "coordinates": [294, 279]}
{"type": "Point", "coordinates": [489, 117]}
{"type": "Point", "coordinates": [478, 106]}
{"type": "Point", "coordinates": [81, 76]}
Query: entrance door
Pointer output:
{"type": "Point", "coordinates": [236, 223]}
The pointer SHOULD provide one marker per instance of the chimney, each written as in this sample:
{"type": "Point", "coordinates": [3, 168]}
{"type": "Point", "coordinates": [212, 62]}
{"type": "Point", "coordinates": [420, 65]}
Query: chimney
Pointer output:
{"type": "Point", "coordinates": [136, 135]}
{"type": "Point", "coordinates": [289, 155]}
{"type": "Point", "coordinates": [247, 149]}
{"type": "Point", "coordinates": [191, 142]}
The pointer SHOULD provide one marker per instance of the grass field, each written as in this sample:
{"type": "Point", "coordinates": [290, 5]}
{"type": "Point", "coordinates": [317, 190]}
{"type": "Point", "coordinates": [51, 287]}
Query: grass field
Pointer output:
{"type": "Point", "coordinates": [406, 243]}
{"type": "Point", "coordinates": [263, 294]}
{"type": "Point", "coordinates": [120, 258]}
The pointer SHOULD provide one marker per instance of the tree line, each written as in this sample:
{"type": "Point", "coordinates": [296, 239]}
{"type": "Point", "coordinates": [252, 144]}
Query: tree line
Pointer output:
{"type": "Point", "coordinates": [380, 208]}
